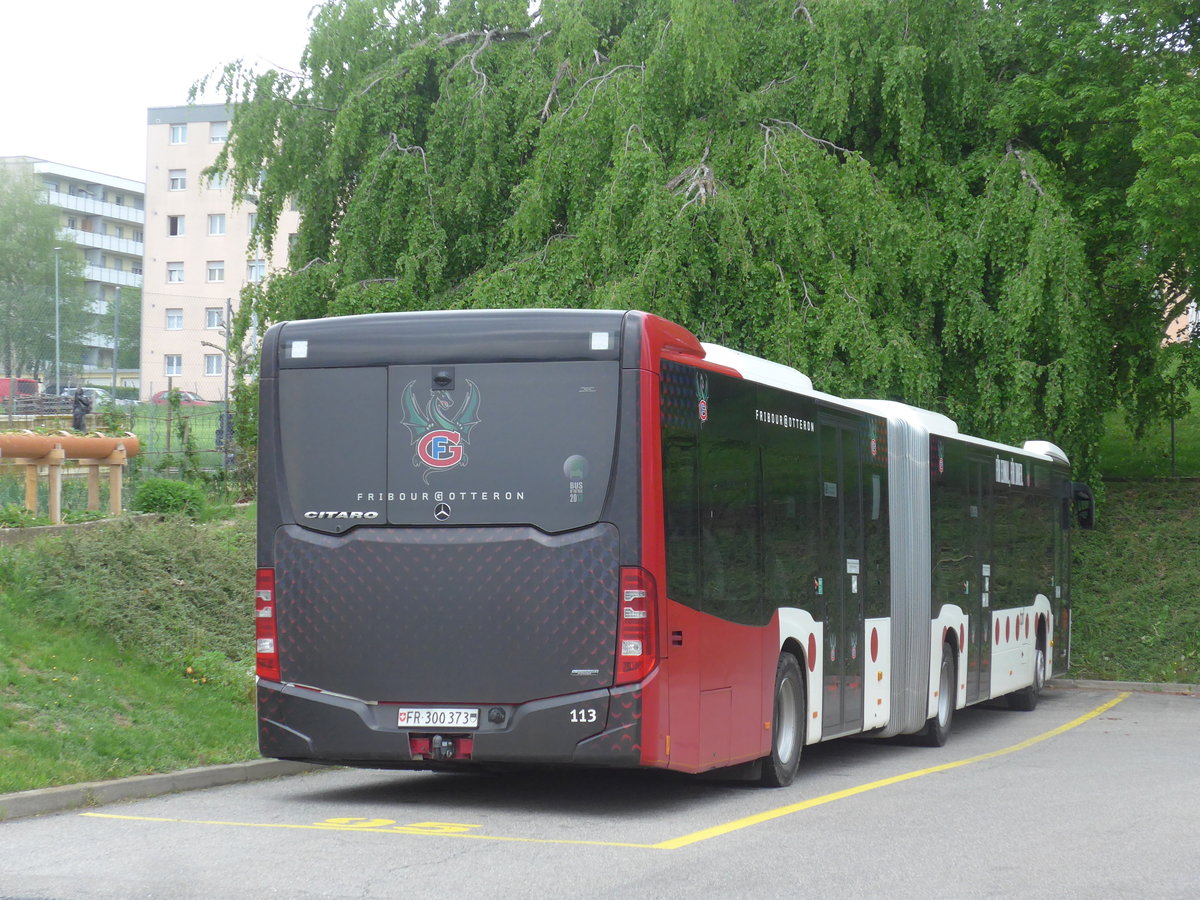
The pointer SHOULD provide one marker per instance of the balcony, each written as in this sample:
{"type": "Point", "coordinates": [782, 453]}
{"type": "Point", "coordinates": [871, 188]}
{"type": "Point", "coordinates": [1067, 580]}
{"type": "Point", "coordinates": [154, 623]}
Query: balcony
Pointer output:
{"type": "Point", "coordinates": [104, 242]}
{"type": "Point", "coordinates": [96, 208]}
{"type": "Point", "coordinates": [111, 276]}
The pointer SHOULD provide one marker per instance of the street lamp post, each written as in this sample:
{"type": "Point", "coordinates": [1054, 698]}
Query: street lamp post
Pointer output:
{"type": "Point", "coordinates": [116, 338]}
{"type": "Point", "coordinates": [57, 377]}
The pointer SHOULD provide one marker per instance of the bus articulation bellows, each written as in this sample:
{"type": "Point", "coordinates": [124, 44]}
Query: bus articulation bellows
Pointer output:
{"type": "Point", "coordinates": [585, 537]}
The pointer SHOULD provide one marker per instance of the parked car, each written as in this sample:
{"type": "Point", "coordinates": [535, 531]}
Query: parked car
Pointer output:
{"type": "Point", "coordinates": [187, 398]}
{"type": "Point", "coordinates": [100, 397]}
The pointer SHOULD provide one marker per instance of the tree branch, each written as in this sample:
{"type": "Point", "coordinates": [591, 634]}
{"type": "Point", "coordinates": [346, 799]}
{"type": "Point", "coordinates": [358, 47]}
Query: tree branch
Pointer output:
{"type": "Point", "coordinates": [820, 142]}
{"type": "Point", "coordinates": [486, 39]}
{"type": "Point", "coordinates": [597, 82]}
{"type": "Point", "coordinates": [697, 183]}
{"type": "Point", "coordinates": [564, 69]}
{"type": "Point", "coordinates": [629, 133]}
{"type": "Point", "coordinates": [416, 150]}
{"type": "Point", "coordinates": [1010, 150]}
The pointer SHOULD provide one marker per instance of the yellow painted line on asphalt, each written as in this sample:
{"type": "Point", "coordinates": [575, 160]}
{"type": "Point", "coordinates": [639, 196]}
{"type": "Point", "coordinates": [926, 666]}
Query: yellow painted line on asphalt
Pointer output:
{"type": "Point", "coordinates": [779, 812]}
{"type": "Point", "coordinates": [458, 830]}
{"type": "Point", "coordinates": [400, 829]}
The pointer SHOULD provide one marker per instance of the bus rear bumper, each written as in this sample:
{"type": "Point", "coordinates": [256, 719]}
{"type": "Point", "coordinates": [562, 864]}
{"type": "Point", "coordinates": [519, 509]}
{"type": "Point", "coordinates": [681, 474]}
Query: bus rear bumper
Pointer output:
{"type": "Point", "coordinates": [596, 728]}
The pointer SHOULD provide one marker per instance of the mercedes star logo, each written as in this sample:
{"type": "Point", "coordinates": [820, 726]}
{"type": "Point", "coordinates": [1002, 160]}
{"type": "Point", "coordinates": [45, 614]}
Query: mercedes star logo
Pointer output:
{"type": "Point", "coordinates": [442, 512]}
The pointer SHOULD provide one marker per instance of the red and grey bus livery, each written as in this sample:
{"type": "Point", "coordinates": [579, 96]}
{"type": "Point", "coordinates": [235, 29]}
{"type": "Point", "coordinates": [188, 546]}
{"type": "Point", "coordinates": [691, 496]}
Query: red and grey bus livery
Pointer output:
{"type": "Point", "coordinates": [584, 537]}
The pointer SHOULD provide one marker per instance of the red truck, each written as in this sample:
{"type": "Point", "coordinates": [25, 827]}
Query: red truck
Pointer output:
{"type": "Point", "coordinates": [21, 387]}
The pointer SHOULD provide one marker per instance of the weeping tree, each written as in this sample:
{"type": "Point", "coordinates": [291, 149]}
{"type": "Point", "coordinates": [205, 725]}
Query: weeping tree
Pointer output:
{"type": "Point", "coordinates": [959, 205]}
{"type": "Point", "coordinates": [30, 252]}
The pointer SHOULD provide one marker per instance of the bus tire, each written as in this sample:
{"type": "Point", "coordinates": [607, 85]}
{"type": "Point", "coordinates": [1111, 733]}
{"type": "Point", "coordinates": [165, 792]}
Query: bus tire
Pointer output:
{"type": "Point", "coordinates": [787, 724]}
{"type": "Point", "coordinates": [1026, 699]}
{"type": "Point", "coordinates": [937, 730]}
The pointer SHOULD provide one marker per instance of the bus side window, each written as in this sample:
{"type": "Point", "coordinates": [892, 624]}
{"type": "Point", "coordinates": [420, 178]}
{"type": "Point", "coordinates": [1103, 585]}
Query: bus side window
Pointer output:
{"type": "Point", "coordinates": [681, 515]}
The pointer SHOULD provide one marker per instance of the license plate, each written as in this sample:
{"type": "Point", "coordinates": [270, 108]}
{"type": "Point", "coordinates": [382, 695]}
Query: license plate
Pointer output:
{"type": "Point", "coordinates": [438, 717]}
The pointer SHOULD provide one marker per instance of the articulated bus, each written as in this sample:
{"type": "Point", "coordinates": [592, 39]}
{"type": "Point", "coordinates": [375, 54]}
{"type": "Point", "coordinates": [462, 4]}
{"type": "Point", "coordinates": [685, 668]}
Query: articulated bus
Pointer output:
{"type": "Point", "coordinates": [585, 537]}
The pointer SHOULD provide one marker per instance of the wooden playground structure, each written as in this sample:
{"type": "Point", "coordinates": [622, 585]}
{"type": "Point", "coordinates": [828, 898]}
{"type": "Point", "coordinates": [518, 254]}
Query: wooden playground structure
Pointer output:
{"type": "Point", "coordinates": [50, 452]}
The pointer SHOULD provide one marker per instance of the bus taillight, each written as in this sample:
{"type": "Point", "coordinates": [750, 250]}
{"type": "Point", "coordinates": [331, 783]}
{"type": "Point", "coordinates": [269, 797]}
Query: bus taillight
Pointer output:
{"type": "Point", "coordinates": [266, 658]}
{"type": "Point", "coordinates": [637, 634]}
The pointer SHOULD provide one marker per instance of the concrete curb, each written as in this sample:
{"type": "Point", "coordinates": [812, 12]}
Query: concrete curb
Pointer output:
{"type": "Point", "coordinates": [139, 787]}
{"type": "Point", "coordinates": [1145, 687]}
{"type": "Point", "coordinates": [22, 537]}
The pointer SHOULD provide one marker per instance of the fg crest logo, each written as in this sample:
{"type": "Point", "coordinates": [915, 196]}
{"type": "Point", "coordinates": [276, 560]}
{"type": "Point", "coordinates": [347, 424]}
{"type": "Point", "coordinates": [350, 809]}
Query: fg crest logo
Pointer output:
{"type": "Point", "coordinates": [439, 427]}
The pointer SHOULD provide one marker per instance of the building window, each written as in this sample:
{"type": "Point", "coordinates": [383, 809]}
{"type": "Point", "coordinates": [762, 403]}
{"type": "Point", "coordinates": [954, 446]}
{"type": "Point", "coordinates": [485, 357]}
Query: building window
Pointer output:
{"type": "Point", "coordinates": [177, 179]}
{"type": "Point", "coordinates": [216, 224]}
{"type": "Point", "coordinates": [70, 221]}
{"type": "Point", "coordinates": [212, 364]}
{"type": "Point", "coordinates": [179, 134]}
{"type": "Point", "coordinates": [251, 222]}
{"type": "Point", "coordinates": [218, 132]}
{"type": "Point", "coordinates": [218, 181]}
{"type": "Point", "coordinates": [216, 270]}
{"type": "Point", "coordinates": [174, 320]}
{"type": "Point", "coordinates": [136, 268]}
{"type": "Point", "coordinates": [213, 317]}
{"type": "Point", "coordinates": [174, 273]}
{"type": "Point", "coordinates": [173, 364]}
{"type": "Point", "coordinates": [255, 270]}
{"type": "Point", "coordinates": [175, 226]}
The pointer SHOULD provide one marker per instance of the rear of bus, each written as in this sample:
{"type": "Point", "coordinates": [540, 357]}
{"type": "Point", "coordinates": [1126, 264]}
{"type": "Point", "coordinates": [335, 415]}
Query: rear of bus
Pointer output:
{"type": "Point", "coordinates": [449, 540]}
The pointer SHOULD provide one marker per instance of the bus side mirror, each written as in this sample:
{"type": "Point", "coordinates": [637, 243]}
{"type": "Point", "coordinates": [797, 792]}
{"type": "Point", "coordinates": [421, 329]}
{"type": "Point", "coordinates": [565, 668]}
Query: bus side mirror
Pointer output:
{"type": "Point", "coordinates": [1085, 505]}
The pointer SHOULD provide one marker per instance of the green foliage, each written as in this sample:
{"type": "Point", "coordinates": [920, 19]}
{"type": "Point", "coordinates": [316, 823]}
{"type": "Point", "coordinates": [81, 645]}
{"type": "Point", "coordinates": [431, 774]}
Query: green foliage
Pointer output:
{"type": "Point", "coordinates": [171, 588]}
{"type": "Point", "coordinates": [164, 495]}
{"type": "Point", "coordinates": [28, 238]}
{"type": "Point", "coordinates": [13, 516]}
{"type": "Point", "coordinates": [113, 419]}
{"type": "Point", "coordinates": [953, 204]}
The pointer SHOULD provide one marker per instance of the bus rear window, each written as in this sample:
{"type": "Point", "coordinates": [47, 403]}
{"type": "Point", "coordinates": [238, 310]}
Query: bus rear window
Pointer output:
{"type": "Point", "coordinates": [476, 444]}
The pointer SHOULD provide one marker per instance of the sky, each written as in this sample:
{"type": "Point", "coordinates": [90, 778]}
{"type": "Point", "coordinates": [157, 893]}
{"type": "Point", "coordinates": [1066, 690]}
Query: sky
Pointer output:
{"type": "Point", "coordinates": [77, 76]}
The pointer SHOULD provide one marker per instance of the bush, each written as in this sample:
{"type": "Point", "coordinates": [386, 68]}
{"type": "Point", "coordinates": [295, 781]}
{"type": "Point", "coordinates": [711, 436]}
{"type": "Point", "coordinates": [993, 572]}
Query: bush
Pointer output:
{"type": "Point", "coordinates": [162, 495]}
{"type": "Point", "coordinates": [171, 590]}
{"type": "Point", "coordinates": [13, 516]}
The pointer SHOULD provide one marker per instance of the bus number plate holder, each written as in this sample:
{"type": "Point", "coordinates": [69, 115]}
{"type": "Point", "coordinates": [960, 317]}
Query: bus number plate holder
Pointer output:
{"type": "Point", "coordinates": [437, 717]}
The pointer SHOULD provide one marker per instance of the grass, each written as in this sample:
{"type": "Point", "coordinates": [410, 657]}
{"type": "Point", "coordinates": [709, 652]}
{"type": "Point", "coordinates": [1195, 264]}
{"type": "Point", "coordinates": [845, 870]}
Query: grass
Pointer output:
{"type": "Point", "coordinates": [1123, 456]}
{"type": "Point", "coordinates": [76, 707]}
{"type": "Point", "coordinates": [1136, 604]}
{"type": "Point", "coordinates": [126, 650]}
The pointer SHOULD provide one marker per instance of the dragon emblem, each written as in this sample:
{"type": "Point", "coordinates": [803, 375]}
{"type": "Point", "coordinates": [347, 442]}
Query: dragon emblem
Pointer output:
{"type": "Point", "coordinates": [439, 429]}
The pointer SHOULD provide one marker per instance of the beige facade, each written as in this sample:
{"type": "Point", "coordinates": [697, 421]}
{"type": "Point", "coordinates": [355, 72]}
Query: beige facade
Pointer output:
{"type": "Point", "coordinates": [198, 252]}
{"type": "Point", "coordinates": [1184, 327]}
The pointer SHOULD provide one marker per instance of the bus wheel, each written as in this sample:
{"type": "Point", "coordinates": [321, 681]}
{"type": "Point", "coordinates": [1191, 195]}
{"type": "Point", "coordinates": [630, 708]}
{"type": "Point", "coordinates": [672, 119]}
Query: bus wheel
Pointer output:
{"type": "Point", "coordinates": [1026, 699]}
{"type": "Point", "coordinates": [938, 729]}
{"type": "Point", "coordinates": [787, 728]}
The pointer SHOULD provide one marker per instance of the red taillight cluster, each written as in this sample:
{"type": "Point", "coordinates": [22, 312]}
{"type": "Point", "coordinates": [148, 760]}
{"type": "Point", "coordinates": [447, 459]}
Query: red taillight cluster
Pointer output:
{"type": "Point", "coordinates": [637, 632]}
{"type": "Point", "coordinates": [266, 659]}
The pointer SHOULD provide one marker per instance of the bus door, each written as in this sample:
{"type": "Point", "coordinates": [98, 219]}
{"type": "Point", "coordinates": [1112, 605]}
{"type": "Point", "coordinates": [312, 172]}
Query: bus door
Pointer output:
{"type": "Point", "coordinates": [978, 600]}
{"type": "Point", "coordinates": [842, 582]}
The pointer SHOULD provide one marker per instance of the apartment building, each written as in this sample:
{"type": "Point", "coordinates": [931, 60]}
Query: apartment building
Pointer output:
{"type": "Point", "coordinates": [104, 216]}
{"type": "Point", "coordinates": [199, 253]}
